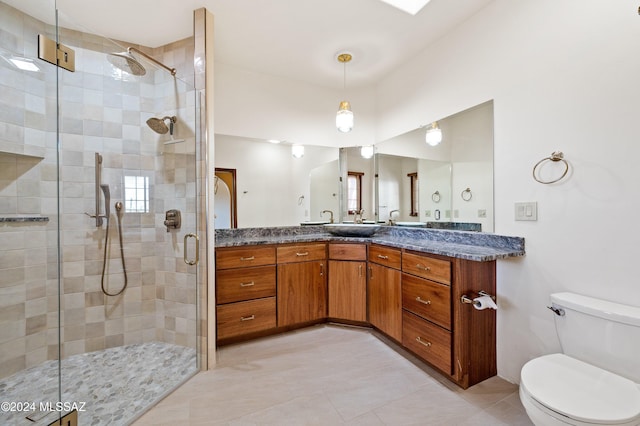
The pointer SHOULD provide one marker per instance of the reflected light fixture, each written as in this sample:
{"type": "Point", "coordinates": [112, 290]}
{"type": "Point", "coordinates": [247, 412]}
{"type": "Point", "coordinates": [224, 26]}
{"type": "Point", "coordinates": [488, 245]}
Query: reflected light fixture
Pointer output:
{"type": "Point", "coordinates": [297, 151]}
{"type": "Point", "coordinates": [366, 151]}
{"type": "Point", "coordinates": [24, 64]}
{"type": "Point", "coordinates": [344, 117]}
{"type": "Point", "coordinates": [434, 134]}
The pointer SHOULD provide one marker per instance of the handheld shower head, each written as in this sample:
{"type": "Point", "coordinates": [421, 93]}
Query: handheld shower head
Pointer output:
{"type": "Point", "coordinates": [158, 125]}
{"type": "Point", "coordinates": [126, 62]}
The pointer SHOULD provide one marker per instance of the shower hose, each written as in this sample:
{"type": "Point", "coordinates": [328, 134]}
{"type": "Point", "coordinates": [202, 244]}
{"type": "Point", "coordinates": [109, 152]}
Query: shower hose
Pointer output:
{"type": "Point", "coordinates": [106, 246]}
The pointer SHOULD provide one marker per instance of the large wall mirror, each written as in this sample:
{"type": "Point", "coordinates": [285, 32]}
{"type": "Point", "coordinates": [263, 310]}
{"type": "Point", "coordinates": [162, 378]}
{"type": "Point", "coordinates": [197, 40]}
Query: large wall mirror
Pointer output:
{"type": "Point", "coordinates": [449, 185]}
{"type": "Point", "coordinates": [406, 179]}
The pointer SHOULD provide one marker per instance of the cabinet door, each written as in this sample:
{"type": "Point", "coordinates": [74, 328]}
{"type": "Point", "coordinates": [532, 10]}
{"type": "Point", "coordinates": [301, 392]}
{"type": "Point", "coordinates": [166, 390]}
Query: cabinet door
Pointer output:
{"type": "Point", "coordinates": [348, 290]}
{"type": "Point", "coordinates": [302, 292]}
{"type": "Point", "coordinates": [385, 300]}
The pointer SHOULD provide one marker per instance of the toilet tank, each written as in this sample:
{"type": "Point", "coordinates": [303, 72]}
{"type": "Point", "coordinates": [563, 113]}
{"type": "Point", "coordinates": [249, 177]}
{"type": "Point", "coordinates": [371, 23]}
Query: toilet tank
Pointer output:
{"type": "Point", "coordinates": [599, 332]}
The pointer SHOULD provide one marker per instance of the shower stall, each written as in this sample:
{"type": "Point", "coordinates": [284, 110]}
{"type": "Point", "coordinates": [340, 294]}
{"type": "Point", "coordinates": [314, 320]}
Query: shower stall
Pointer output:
{"type": "Point", "coordinates": [100, 287]}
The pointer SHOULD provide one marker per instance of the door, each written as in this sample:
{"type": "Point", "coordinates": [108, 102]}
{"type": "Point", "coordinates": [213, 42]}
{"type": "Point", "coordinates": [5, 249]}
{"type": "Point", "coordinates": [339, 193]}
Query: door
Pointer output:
{"type": "Point", "coordinates": [348, 290]}
{"type": "Point", "coordinates": [302, 292]}
{"type": "Point", "coordinates": [385, 300]}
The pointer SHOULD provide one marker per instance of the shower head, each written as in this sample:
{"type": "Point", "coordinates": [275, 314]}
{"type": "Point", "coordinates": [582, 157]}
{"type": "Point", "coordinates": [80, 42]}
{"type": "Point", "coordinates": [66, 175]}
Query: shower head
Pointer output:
{"type": "Point", "coordinates": [126, 62]}
{"type": "Point", "coordinates": [158, 124]}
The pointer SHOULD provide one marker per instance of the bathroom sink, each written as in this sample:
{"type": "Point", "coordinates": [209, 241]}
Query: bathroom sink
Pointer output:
{"type": "Point", "coordinates": [314, 222]}
{"type": "Point", "coordinates": [420, 224]}
{"type": "Point", "coordinates": [352, 229]}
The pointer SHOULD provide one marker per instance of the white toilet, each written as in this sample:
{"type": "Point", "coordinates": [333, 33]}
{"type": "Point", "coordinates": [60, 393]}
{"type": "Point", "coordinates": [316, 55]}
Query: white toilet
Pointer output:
{"type": "Point", "coordinates": [596, 380]}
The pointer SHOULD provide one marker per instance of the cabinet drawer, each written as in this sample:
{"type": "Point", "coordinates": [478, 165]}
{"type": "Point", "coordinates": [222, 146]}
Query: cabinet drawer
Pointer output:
{"type": "Point", "coordinates": [302, 253]}
{"type": "Point", "coordinates": [428, 299]}
{"type": "Point", "coordinates": [348, 251]}
{"type": "Point", "coordinates": [427, 267]}
{"type": "Point", "coordinates": [240, 257]}
{"type": "Point", "coordinates": [385, 256]}
{"type": "Point", "coordinates": [430, 342]}
{"type": "Point", "coordinates": [239, 318]}
{"type": "Point", "coordinates": [234, 285]}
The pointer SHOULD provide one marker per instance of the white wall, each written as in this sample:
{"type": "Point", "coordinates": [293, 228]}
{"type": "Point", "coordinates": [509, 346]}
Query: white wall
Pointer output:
{"type": "Point", "coordinates": [261, 106]}
{"type": "Point", "coordinates": [563, 76]}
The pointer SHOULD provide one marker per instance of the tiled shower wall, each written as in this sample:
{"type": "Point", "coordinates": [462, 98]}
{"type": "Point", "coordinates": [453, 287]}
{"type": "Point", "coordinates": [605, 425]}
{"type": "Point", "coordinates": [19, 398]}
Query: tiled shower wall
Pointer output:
{"type": "Point", "coordinates": [102, 111]}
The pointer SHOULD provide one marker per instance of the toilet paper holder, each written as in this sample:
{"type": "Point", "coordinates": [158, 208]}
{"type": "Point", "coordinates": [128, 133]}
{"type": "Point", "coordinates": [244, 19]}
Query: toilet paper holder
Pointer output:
{"type": "Point", "coordinates": [466, 299]}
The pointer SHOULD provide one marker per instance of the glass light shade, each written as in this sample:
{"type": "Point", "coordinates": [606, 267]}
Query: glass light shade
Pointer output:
{"type": "Point", "coordinates": [434, 135]}
{"type": "Point", "coordinates": [366, 151]}
{"type": "Point", "coordinates": [344, 117]}
{"type": "Point", "coordinates": [297, 151]}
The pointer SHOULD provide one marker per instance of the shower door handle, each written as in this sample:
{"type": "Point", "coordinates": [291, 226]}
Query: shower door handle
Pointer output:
{"type": "Point", "coordinates": [187, 261]}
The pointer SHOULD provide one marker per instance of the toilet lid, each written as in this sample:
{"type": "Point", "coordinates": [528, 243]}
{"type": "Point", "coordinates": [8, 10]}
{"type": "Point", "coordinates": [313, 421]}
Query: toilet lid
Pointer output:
{"type": "Point", "coordinates": [581, 391]}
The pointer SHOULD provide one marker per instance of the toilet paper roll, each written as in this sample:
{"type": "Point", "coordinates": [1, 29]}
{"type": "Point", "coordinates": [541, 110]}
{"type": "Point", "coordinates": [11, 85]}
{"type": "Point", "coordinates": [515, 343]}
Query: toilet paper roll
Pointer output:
{"type": "Point", "coordinates": [484, 302]}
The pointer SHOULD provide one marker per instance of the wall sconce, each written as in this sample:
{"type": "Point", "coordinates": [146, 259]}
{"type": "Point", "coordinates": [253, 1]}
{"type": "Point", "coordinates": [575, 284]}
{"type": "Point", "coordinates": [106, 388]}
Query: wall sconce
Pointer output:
{"type": "Point", "coordinates": [297, 151]}
{"type": "Point", "coordinates": [344, 116]}
{"type": "Point", "coordinates": [434, 134]}
{"type": "Point", "coordinates": [366, 151]}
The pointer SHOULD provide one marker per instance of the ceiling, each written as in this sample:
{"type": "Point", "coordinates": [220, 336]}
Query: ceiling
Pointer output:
{"type": "Point", "coordinates": [293, 39]}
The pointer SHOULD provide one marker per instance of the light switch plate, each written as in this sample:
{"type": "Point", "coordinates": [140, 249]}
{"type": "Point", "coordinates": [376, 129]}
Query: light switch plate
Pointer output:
{"type": "Point", "coordinates": [526, 211]}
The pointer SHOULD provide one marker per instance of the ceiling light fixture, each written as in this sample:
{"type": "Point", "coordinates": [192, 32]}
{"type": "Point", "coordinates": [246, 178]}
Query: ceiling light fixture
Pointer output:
{"type": "Point", "coordinates": [434, 134]}
{"type": "Point", "coordinates": [297, 151]}
{"type": "Point", "coordinates": [409, 6]}
{"type": "Point", "coordinates": [344, 117]}
{"type": "Point", "coordinates": [366, 151]}
{"type": "Point", "coordinates": [273, 141]}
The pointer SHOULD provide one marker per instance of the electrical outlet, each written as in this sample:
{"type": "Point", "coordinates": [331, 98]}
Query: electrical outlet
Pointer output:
{"type": "Point", "coordinates": [526, 211]}
{"type": "Point", "coordinates": [456, 213]}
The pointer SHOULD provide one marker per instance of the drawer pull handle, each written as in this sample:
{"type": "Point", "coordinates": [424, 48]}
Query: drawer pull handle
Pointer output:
{"type": "Point", "coordinates": [422, 267]}
{"type": "Point", "coordinates": [359, 271]}
{"type": "Point", "coordinates": [306, 253]}
{"type": "Point", "coordinates": [419, 340]}
{"type": "Point", "coordinates": [381, 256]}
{"type": "Point", "coordinates": [252, 317]}
{"type": "Point", "coordinates": [249, 284]}
{"type": "Point", "coordinates": [248, 258]}
{"type": "Point", "coordinates": [421, 300]}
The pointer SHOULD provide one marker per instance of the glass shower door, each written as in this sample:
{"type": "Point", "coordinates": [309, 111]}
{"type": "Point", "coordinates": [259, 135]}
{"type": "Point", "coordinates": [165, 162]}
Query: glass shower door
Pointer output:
{"type": "Point", "coordinates": [29, 297]}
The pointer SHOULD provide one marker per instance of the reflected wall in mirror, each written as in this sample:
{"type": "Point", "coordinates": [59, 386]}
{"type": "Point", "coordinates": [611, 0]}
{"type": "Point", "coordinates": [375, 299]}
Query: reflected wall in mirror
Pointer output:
{"type": "Point", "coordinates": [276, 189]}
{"type": "Point", "coordinates": [358, 190]}
{"type": "Point", "coordinates": [463, 160]}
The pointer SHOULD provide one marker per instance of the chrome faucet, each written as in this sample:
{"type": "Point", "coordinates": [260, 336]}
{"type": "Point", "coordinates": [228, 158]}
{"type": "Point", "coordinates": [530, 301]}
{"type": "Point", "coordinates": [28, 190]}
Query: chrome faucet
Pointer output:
{"type": "Point", "coordinates": [358, 216]}
{"type": "Point", "coordinates": [391, 221]}
{"type": "Point", "coordinates": [330, 212]}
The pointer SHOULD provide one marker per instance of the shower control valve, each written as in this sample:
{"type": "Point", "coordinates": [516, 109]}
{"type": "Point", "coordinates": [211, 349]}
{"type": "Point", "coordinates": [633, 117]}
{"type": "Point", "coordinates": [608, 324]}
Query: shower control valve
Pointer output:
{"type": "Point", "coordinates": [172, 219]}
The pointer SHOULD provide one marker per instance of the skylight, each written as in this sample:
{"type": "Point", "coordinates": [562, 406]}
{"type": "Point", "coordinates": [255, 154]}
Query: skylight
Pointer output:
{"type": "Point", "coordinates": [409, 6]}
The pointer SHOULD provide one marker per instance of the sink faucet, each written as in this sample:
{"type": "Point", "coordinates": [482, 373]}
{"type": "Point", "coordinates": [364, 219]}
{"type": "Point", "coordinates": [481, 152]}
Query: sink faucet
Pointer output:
{"type": "Point", "coordinates": [330, 212]}
{"type": "Point", "coordinates": [358, 216]}
{"type": "Point", "coordinates": [391, 221]}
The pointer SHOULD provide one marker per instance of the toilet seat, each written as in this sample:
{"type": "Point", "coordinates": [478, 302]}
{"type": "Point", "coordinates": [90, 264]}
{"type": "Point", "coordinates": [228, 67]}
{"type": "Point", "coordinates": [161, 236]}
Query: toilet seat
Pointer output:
{"type": "Point", "coordinates": [580, 392]}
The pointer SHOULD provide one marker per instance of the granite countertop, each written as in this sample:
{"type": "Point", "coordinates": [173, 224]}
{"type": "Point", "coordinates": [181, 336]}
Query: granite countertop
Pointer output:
{"type": "Point", "coordinates": [481, 247]}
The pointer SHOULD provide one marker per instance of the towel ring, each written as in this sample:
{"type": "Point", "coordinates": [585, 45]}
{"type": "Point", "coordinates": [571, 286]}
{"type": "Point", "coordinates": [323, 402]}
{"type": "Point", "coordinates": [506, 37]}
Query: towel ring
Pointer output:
{"type": "Point", "coordinates": [435, 197]}
{"type": "Point", "coordinates": [466, 194]}
{"type": "Point", "coordinates": [554, 157]}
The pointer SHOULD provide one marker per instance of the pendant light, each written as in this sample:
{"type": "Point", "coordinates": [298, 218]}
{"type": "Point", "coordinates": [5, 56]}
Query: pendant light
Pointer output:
{"type": "Point", "coordinates": [434, 134]}
{"type": "Point", "coordinates": [344, 117]}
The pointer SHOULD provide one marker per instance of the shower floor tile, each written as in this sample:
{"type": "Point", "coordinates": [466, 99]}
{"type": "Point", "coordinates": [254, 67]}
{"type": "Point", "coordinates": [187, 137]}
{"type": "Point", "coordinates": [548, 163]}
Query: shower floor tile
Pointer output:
{"type": "Point", "coordinates": [109, 387]}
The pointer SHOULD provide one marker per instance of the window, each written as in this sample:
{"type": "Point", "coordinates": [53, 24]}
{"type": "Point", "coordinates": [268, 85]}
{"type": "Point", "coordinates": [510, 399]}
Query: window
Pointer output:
{"type": "Point", "coordinates": [413, 178]}
{"type": "Point", "coordinates": [354, 192]}
{"type": "Point", "coordinates": [136, 194]}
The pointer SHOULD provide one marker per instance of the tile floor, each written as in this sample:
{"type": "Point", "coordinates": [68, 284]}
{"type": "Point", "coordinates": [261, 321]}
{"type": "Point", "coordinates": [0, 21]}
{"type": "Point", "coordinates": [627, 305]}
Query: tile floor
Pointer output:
{"type": "Point", "coordinates": [330, 375]}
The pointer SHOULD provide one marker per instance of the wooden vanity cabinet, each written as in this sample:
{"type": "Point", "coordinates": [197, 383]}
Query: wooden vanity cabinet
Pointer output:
{"type": "Point", "coordinates": [348, 282]}
{"type": "Point", "coordinates": [245, 290]}
{"type": "Point", "coordinates": [301, 283]}
{"type": "Point", "coordinates": [450, 335]}
{"type": "Point", "coordinates": [385, 291]}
